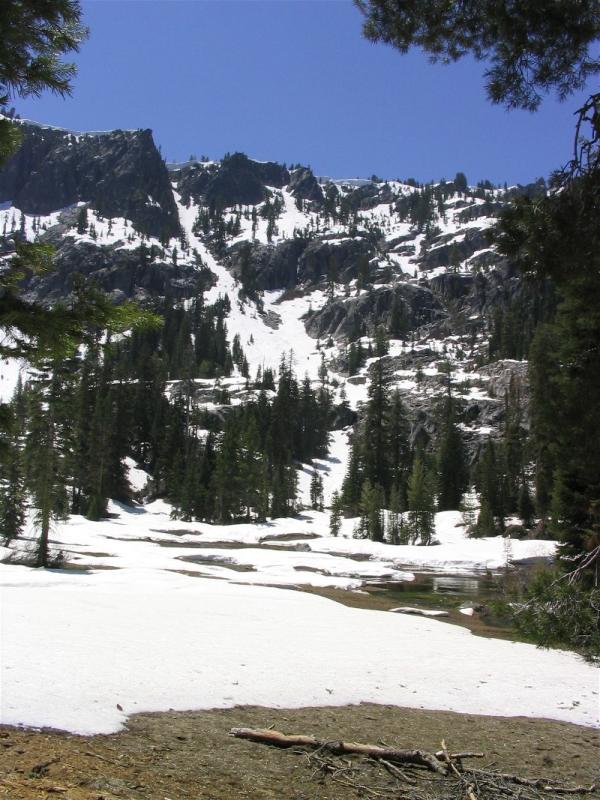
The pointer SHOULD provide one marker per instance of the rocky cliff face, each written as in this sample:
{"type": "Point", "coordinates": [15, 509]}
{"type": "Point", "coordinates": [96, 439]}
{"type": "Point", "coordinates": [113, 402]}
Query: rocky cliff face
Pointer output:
{"type": "Point", "coordinates": [353, 317]}
{"type": "Point", "coordinates": [310, 265]}
{"type": "Point", "coordinates": [237, 180]}
{"type": "Point", "coordinates": [301, 261]}
{"type": "Point", "coordinates": [123, 274]}
{"type": "Point", "coordinates": [120, 174]}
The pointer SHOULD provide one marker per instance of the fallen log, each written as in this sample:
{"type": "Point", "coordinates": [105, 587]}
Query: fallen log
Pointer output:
{"type": "Point", "coordinates": [442, 762]}
{"type": "Point", "coordinates": [277, 739]}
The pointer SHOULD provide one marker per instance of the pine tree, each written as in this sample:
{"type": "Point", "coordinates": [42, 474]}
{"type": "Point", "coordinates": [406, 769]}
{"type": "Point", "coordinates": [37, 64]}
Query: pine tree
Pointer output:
{"type": "Point", "coordinates": [335, 519]}
{"type": "Point", "coordinates": [525, 505]}
{"type": "Point", "coordinates": [395, 531]}
{"type": "Point", "coordinates": [376, 463]}
{"type": "Point", "coordinates": [316, 491]}
{"type": "Point", "coordinates": [490, 481]}
{"type": "Point", "coordinates": [420, 502]}
{"type": "Point", "coordinates": [371, 512]}
{"type": "Point", "coordinates": [82, 220]}
{"type": "Point", "coordinates": [353, 480]}
{"type": "Point", "coordinates": [12, 485]}
{"type": "Point", "coordinates": [451, 460]}
{"type": "Point", "coordinates": [46, 445]}
{"type": "Point", "coordinates": [486, 524]}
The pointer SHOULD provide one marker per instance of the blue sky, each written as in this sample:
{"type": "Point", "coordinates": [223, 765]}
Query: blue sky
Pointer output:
{"type": "Point", "coordinates": [294, 81]}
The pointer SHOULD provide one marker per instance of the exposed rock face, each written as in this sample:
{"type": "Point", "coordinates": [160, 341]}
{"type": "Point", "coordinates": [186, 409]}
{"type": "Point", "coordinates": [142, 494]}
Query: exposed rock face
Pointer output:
{"type": "Point", "coordinates": [122, 273]}
{"type": "Point", "coordinates": [442, 255]}
{"type": "Point", "coordinates": [237, 181]}
{"type": "Point", "coordinates": [452, 286]}
{"type": "Point", "coordinates": [300, 261]}
{"type": "Point", "coordinates": [120, 173]}
{"type": "Point", "coordinates": [341, 255]}
{"type": "Point", "coordinates": [305, 186]}
{"type": "Point", "coordinates": [193, 180]}
{"type": "Point", "coordinates": [369, 196]}
{"type": "Point", "coordinates": [504, 372]}
{"type": "Point", "coordinates": [488, 209]}
{"type": "Point", "coordinates": [275, 267]}
{"type": "Point", "coordinates": [357, 316]}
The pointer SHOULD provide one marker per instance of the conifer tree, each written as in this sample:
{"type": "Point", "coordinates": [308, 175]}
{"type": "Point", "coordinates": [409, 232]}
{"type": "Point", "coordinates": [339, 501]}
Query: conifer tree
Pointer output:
{"type": "Point", "coordinates": [486, 523]}
{"type": "Point", "coordinates": [451, 460]}
{"type": "Point", "coordinates": [395, 529]}
{"type": "Point", "coordinates": [490, 482]}
{"type": "Point", "coordinates": [335, 519]}
{"type": "Point", "coordinates": [421, 502]}
{"type": "Point", "coordinates": [375, 452]}
{"type": "Point", "coordinates": [316, 491]}
{"type": "Point", "coordinates": [354, 477]}
{"type": "Point", "coordinates": [371, 512]}
{"type": "Point", "coordinates": [12, 481]}
{"type": "Point", "coordinates": [45, 452]}
{"type": "Point", "coordinates": [525, 505]}
{"type": "Point", "coordinates": [82, 220]}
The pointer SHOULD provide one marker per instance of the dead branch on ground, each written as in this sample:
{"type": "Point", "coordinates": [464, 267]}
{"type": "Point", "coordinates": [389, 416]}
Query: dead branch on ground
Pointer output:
{"type": "Point", "coordinates": [378, 773]}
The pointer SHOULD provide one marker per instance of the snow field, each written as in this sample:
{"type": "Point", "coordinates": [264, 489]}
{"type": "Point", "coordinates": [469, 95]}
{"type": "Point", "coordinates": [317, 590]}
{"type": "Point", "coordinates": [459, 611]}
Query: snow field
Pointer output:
{"type": "Point", "coordinates": [154, 633]}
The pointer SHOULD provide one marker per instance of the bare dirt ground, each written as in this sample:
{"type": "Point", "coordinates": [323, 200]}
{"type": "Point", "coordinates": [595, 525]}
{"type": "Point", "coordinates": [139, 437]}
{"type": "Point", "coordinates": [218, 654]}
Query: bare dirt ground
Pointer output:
{"type": "Point", "coordinates": [190, 755]}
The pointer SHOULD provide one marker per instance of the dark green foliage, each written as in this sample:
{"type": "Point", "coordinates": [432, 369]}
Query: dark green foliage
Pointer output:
{"type": "Point", "coordinates": [451, 460]}
{"type": "Point", "coordinates": [82, 224]}
{"type": "Point", "coordinates": [247, 271]}
{"type": "Point", "coordinates": [376, 463]}
{"type": "Point", "coordinates": [396, 529]}
{"type": "Point", "coordinates": [490, 482]}
{"type": "Point", "coordinates": [418, 208]}
{"type": "Point", "coordinates": [558, 237]}
{"type": "Point", "coordinates": [398, 449]}
{"type": "Point", "coordinates": [353, 479]}
{"type": "Point", "coordinates": [460, 182]}
{"type": "Point", "coordinates": [557, 612]}
{"type": "Point", "coordinates": [316, 491]}
{"type": "Point", "coordinates": [379, 453]}
{"type": "Point", "coordinates": [381, 342]}
{"type": "Point", "coordinates": [12, 480]}
{"type": "Point", "coordinates": [532, 47]}
{"type": "Point", "coordinates": [371, 512]}
{"type": "Point", "coordinates": [486, 524]}
{"type": "Point", "coordinates": [249, 470]}
{"type": "Point", "coordinates": [335, 520]}
{"type": "Point", "coordinates": [525, 505]}
{"type": "Point", "coordinates": [514, 325]}
{"type": "Point", "coordinates": [421, 502]}
{"type": "Point", "coordinates": [47, 443]}
{"type": "Point", "coordinates": [33, 38]}
{"type": "Point", "coordinates": [356, 357]}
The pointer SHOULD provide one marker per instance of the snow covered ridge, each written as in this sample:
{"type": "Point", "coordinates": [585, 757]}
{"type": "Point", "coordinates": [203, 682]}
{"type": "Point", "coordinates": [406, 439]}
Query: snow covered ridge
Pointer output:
{"type": "Point", "coordinates": [45, 126]}
{"type": "Point", "coordinates": [152, 634]}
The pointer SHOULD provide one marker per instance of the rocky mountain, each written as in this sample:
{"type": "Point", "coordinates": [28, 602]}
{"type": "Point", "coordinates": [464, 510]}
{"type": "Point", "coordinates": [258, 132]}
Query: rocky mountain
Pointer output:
{"type": "Point", "coordinates": [313, 266]}
{"type": "Point", "coordinates": [119, 173]}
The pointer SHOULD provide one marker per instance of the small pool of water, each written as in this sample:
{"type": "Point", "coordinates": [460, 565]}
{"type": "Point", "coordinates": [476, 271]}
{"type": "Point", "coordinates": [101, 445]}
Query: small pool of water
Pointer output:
{"type": "Point", "coordinates": [430, 583]}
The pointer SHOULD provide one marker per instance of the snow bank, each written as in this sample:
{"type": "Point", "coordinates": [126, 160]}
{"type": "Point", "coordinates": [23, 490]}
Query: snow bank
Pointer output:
{"type": "Point", "coordinates": [76, 647]}
{"type": "Point", "coordinates": [149, 637]}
